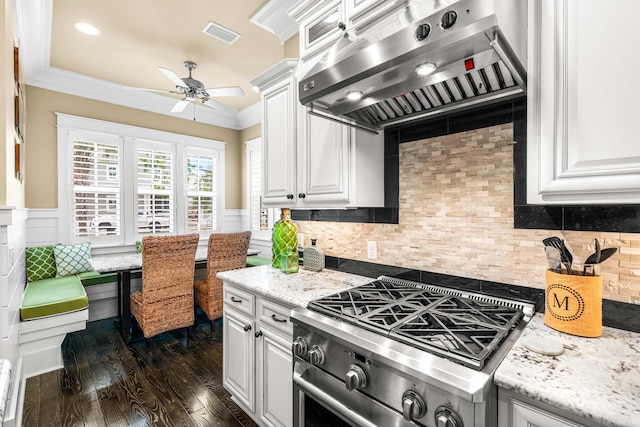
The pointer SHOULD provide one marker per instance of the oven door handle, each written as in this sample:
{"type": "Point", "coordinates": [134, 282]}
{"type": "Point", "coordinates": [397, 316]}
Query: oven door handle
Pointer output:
{"type": "Point", "coordinates": [321, 396]}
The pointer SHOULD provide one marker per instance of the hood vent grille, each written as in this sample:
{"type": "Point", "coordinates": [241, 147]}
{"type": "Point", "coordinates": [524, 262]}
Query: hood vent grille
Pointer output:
{"type": "Point", "coordinates": [489, 80]}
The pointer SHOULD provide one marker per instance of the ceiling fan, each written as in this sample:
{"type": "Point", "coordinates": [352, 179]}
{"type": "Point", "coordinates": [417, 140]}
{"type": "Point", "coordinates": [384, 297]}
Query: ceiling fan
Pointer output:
{"type": "Point", "coordinates": [194, 90]}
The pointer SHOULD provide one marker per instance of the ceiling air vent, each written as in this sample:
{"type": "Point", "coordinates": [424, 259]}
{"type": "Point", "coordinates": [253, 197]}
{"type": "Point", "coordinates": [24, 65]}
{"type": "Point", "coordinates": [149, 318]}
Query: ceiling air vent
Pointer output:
{"type": "Point", "coordinates": [220, 32]}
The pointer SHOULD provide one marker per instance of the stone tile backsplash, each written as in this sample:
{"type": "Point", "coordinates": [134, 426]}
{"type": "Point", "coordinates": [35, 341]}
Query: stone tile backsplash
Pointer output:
{"type": "Point", "coordinates": [456, 217]}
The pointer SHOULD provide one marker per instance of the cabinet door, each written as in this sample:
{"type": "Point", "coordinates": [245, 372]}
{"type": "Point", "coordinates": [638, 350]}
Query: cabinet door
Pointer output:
{"type": "Point", "coordinates": [320, 28]}
{"type": "Point", "coordinates": [324, 161]}
{"type": "Point", "coordinates": [238, 363]}
{"type": "Point", "coordinates": [361, 11]}
{"type": "Point", "coordinates": [275, 365]}
{"type": "Point", "coordinates": [581, 102]}
{"type": "Point", "coordinates": [279, 144]}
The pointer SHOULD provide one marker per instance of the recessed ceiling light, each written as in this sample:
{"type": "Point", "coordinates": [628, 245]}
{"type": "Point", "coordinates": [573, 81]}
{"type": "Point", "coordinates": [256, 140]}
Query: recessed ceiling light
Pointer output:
{"type": "Point", "coordinates": [85, 28]}
{"type": "Point", "coordinates": [354, 95]}
{"type": "Point", "coordinates": [426, 68]}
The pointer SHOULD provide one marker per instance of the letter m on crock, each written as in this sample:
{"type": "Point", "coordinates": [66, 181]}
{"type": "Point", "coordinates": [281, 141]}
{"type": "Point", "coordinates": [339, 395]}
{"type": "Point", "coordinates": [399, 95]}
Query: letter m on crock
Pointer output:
{"type": "Point", "coordinates": [558, 303]}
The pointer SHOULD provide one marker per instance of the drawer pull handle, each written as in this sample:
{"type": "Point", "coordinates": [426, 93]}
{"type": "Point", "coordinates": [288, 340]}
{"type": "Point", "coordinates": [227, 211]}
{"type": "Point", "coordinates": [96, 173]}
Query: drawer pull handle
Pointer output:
{"type": "Point", "coordinates": [234, 299]}
{"type": "Point", "coordinates": [273, 316]}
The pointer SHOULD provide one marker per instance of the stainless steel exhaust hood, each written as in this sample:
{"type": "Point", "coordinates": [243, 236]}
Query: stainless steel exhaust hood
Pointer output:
{"type": "Point", "coordinates": [426, 58]}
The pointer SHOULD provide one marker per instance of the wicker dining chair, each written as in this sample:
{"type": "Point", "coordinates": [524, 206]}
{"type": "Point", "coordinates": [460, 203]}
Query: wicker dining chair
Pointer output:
{"type": "Point", "coordinates": [165, 302]}
{"type": "Point", "coordinates": [226, 251]}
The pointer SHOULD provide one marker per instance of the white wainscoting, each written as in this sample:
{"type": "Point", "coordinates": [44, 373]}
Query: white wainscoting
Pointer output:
{"type": "Point", "coordinates": [12, 282]}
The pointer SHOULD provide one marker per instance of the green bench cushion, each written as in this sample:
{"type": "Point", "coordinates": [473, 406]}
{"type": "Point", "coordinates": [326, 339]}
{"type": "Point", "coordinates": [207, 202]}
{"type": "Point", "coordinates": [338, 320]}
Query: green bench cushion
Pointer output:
{"type": "Point", "coordinates": [254, 261]}
{"type": "Point", "coordinates": [91, 278]}
{"type": "Point", "coordinates": [53, 296]}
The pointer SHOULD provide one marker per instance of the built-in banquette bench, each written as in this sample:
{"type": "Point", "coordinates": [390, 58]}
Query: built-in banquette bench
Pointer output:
{"type": "Point", "coordinates": [54, 303]}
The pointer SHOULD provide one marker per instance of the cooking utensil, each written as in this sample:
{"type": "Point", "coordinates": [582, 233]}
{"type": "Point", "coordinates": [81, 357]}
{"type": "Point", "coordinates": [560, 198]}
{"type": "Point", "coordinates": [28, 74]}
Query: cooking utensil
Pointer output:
{"type": "Point", "coordinates": [553, 258]}
{"type": "Point", "coordinates": [565, 255]}
{"type": "Point", "coordinates": [600, 256]}
{"type": "Point", "coordinates": [606, 254]}
{"type": "Point", "coordinates": [594, 258]}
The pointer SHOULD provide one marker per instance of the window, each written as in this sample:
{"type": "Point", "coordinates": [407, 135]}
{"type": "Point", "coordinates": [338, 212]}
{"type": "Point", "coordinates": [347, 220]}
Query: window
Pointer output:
{"type": "Point", "coordinates": [155, 189]}
{"type": "Point", "coordinates": [202, 176]}
{"type": "Point", "coordinates": [260, 219]}
{"type": "Point", "coordinates": [96, 192]}
{"type": "Point", "coordinates": [118, 183]}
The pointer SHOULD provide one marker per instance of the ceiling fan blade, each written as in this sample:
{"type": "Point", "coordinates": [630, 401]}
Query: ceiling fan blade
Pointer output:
{"type": "Point", "coordinates": [225, 91]}
{"type": "Point", "coordinates": [219, 106]}
{"type": "Point", "coordinates": [180, 106]}
{"type": "Point", "coordinates": [150, 90]}
{"type": "Point", "coordinates": [173, 77]}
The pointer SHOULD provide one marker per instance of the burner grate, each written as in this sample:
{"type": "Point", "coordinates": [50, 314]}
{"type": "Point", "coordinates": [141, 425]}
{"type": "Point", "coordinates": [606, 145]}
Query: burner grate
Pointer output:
{"type": "Point", "coordinates": [457, 325]}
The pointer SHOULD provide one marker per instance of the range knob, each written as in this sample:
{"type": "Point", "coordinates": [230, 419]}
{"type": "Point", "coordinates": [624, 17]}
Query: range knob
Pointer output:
{"type": "Point", "coordinates": [356, 378]}
{"type": "Point", "coordinates": [413, 406]}
{"type": "Point", "coordinates": [446, 417]}
{"type": "Point", "coordinates": [299, 347]}
{"type": "Point", "coordinates": [316, 355]}
{"type": "Point", "coordinates": [448, 19]}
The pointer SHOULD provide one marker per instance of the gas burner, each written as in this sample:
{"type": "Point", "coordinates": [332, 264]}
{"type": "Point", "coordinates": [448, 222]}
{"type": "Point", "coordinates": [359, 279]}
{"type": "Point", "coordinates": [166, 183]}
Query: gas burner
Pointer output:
{"type": "Point", "coordinates": [448, 323]}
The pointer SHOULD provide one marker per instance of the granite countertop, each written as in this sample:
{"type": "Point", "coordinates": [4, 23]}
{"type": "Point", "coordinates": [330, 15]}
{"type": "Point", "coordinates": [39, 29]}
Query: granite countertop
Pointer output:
{"type": "Point", "coordinates": [594, 378]}
{"type": "Point", "coordinates": [295, 289]}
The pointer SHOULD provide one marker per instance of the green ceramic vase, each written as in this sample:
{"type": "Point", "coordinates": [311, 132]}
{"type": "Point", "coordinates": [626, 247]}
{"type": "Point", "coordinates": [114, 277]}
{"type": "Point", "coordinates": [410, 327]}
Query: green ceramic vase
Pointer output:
{"type": "Point", "coordinates": [284, 237]}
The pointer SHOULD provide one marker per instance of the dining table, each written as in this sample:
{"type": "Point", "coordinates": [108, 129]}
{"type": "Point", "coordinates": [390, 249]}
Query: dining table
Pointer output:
{"type": "Point", "coordinates": [127, 267]}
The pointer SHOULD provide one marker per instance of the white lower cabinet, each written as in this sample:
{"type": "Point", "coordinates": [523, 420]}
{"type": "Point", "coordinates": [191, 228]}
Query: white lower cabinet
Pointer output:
{"type": "Point", "coordinates": [519, 411]}
{"type": "Point", "coordinates": [257, 359]}
{"type": "Point", "coordinates": [239, 357]}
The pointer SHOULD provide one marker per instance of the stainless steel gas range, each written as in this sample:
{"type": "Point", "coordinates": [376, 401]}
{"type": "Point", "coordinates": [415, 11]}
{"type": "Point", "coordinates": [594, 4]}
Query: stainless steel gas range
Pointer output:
{"type": "Point", "coordinates": [400, 353]}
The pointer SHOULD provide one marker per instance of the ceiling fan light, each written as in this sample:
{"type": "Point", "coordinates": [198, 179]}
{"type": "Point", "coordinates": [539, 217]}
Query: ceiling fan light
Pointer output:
{"type": "Point", "coordinates": [354, 95]}
{"type": "Point", "coordinates": [87, 28]}
{"type": "Point", "coordinates": [425, 69]}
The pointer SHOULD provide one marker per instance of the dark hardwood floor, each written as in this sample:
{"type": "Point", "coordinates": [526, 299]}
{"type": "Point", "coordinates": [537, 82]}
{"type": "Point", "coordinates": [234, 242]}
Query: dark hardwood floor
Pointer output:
{"type": "Point", "coordinates": [107, 383]}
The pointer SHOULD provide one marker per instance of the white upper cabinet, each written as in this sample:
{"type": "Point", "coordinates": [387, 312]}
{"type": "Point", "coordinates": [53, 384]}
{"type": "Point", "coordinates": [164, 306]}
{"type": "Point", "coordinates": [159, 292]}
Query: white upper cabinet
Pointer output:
{"type": "Point", "coordinates": [582, 95]}
{"type": "Point", "coordinates": [279, 138]}
{"type": "Point", "coordinates": [319, 25]}
{"type": "Point", "coordinates": [359, 12]}
{"type": "Point", "coordinates": [312, 162]}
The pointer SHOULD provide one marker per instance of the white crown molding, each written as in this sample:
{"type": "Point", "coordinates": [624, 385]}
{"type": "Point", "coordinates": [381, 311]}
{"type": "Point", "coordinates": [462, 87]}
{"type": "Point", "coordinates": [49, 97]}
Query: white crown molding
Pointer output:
{"type": "Point", "coordinates": [279, 71]}
{"type": "Point", "coordinates": [273, 17]}
{"type": "Point", "coordinates": [34, 33]}
{"type": "Point", "coordinates": [252, 115]}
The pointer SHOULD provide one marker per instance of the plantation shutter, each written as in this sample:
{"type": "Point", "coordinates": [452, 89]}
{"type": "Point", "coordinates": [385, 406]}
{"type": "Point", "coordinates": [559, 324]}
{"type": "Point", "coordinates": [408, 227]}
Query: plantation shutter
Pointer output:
{"type": "Point", "coordinates": [155, 191]}
{"type": "Point", "coordinates": [202, 191]}
{"type": "Point", "coordinates": [259, 218]}
{"type": "Point", "coordinates": [96, 185]}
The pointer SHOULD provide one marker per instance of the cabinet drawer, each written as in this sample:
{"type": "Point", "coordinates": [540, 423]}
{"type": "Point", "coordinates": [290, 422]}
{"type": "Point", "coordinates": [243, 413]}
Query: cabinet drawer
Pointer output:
{"type": "Point", "coordinates": [237, 299]}
{"type": "Point", "coordinates": [276, 316]}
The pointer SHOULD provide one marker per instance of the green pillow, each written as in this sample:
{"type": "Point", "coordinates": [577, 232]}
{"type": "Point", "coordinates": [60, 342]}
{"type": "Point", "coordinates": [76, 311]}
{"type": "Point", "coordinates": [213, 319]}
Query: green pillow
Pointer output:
{"type": "Point", "coordinates": [41, 263]}
{"type": "Point", "coordinates": [139, 246]}
{"type": "Point", "coordinates": [72, 259]}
